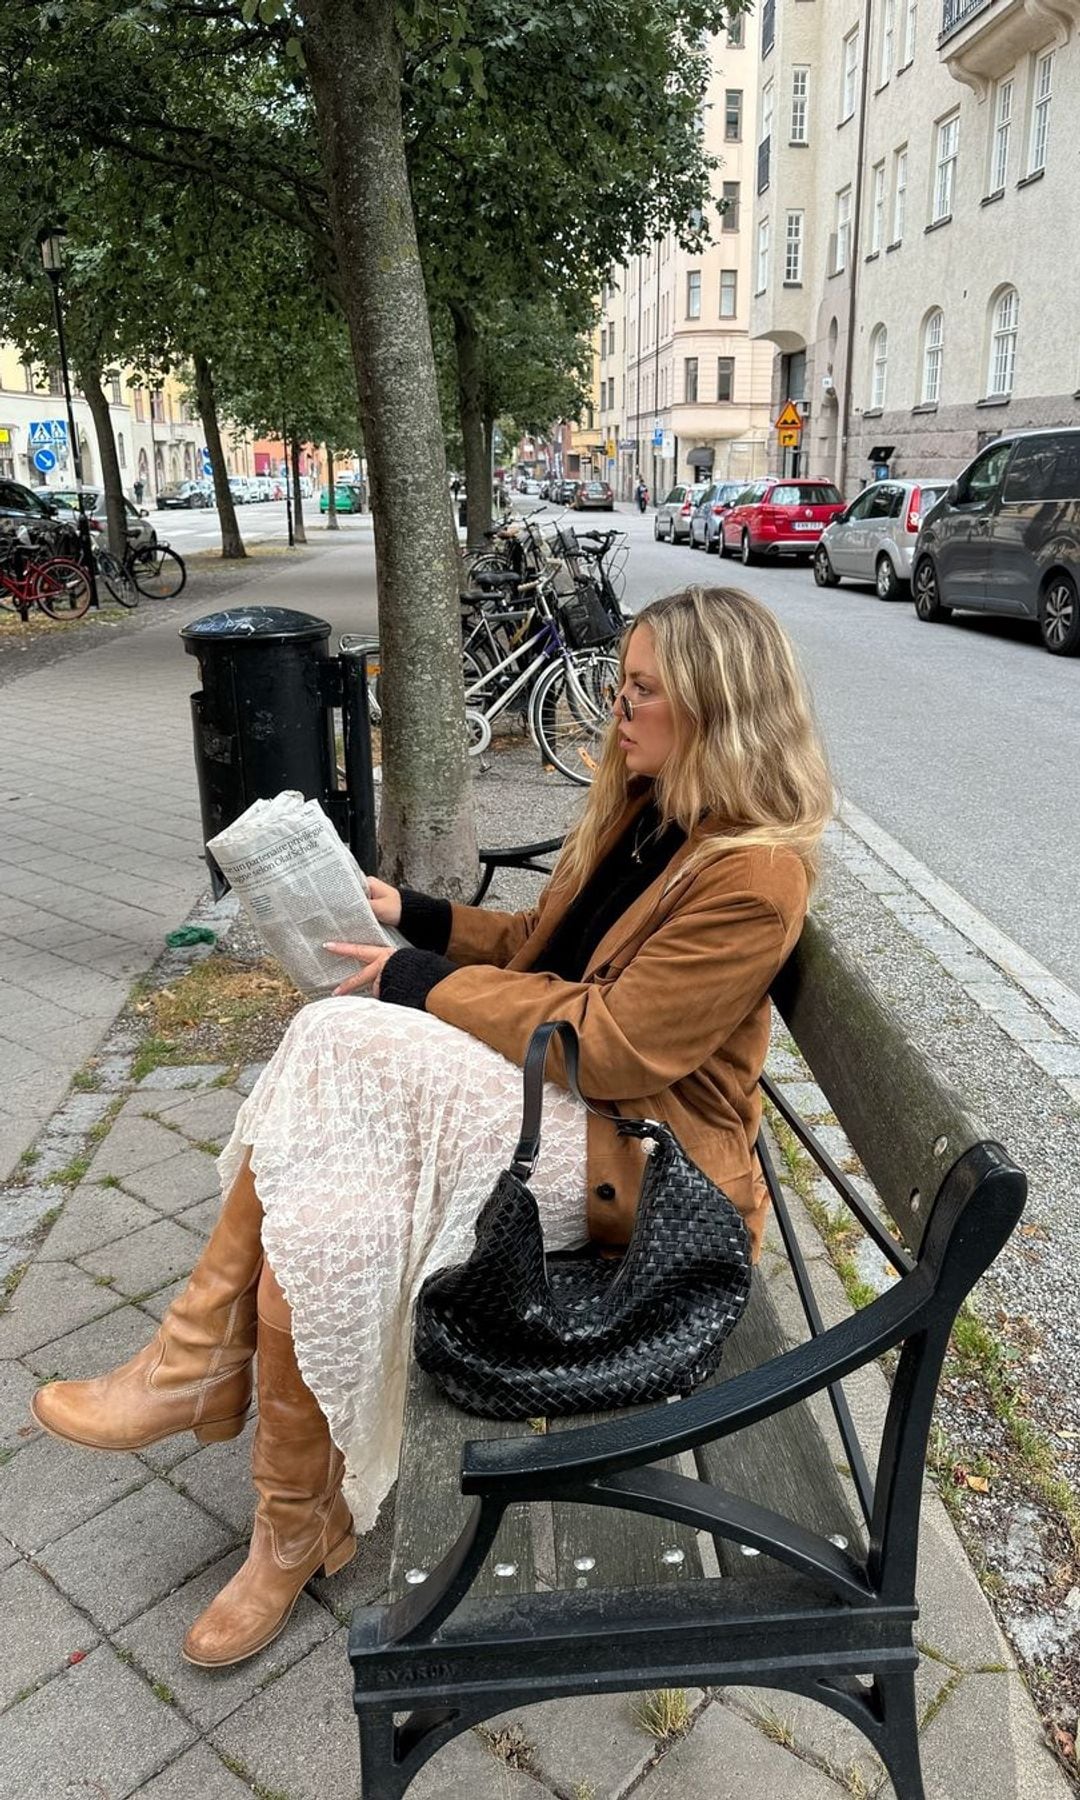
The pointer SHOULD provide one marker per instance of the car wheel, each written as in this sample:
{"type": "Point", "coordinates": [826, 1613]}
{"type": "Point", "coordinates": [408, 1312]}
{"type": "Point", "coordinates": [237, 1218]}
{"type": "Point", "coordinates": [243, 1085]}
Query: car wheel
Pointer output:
{"type": "Point", "coordinates": [711, 547]}
{"type": "Point", "coordinates": [1059, 616]}
{"type": "Point", "coordinates": [746, 550]}
{"type": "Point", "coordinates": [924, 586]}
{"type": "Point", "coordinates": [656, 529]}
{"type": "Point", "coordinates": [886, 581]}
{"type": "Point", "coordinates": [721, 543]}
{"type": "Point", "coordinates": [824, 573]}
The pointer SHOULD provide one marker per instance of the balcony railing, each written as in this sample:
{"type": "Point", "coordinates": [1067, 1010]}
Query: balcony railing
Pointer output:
{"type": "Point", "coordinates": [955, 13]}
{"type": "Point", "coordinates": [763, 150]}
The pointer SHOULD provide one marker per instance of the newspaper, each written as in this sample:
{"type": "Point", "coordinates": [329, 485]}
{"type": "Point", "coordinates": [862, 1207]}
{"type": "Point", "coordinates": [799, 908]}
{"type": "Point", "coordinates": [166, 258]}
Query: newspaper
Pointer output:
{"type": "Point", "coordinates": [300, 887]}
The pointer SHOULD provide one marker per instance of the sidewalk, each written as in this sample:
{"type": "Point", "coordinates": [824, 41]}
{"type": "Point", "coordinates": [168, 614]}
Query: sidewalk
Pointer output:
{"type": "Point", "coordinates": [99, 825]}
{"type": "Point", "coordinates": [106, 1559]}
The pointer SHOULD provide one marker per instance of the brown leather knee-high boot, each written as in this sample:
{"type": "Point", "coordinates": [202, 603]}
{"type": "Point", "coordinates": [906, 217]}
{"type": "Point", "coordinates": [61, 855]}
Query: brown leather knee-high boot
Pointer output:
{"type": "Point", "coordinates": [195, 1374]}
{"type": "Point", "coordinates": [302, 1524]}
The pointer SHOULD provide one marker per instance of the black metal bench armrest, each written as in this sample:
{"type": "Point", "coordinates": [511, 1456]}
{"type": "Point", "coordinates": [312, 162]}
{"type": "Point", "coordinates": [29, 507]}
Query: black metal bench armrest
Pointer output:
{"type": "Point", "coordinates": [519, 856]}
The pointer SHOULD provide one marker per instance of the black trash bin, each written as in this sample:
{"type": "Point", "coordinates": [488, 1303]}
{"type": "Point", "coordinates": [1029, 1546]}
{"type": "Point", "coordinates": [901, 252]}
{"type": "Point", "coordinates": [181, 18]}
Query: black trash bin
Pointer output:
{"type": "Point", "coordinates": [264, 721]}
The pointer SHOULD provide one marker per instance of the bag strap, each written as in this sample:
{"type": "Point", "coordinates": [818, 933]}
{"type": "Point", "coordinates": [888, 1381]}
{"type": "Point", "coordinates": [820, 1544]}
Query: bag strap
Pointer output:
{"type": "Point", "coordinates": [525, 1156]}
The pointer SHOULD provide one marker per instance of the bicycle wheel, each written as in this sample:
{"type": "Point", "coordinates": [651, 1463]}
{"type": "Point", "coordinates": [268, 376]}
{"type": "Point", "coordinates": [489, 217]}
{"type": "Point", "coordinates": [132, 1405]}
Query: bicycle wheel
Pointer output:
{"type": "Point", "coordinates": [158, 572]}
{"type": "Point", "coordinates": [117, 579]}
{"type": "Point", "coordinates": [569, 714]}
{"type": "Point", "coordinates": [61, 588]}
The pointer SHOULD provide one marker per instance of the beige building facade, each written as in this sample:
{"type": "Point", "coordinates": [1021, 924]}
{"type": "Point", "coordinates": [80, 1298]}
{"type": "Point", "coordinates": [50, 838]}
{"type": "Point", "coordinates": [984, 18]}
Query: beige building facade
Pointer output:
{"type": "Point", "coordinates": [915, 213]}
{"type": "Point", "coordinates": [682, 389]}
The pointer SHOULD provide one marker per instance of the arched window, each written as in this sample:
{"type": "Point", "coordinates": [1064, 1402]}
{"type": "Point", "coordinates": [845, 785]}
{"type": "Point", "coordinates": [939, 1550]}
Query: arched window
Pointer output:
{"type": "Point", "coordinates": [121, 453]}
{"type": "Point", "coordinates": [879, 366]}
{"type": "Point", "coordinates": [933, 346]}
{"type": "Point", "coordinates": [1004, 320]}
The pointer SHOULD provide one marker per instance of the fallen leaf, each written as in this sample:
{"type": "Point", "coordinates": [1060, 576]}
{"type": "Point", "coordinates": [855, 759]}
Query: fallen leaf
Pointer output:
{"type": "Point", "coordinates": [978, 1484]}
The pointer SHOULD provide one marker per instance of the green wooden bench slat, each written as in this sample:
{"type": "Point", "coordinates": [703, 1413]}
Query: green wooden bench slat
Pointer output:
{"type": "Point", "coordinates": [784, 1462]}
{"type": "Point", "coordinates": [627, 1548]}
{"type": "Point", "coordinates": [431, 1508]}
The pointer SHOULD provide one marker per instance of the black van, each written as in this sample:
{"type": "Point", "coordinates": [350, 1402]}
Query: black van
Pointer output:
{"type": "Point", "coordinates": [1006, 538]}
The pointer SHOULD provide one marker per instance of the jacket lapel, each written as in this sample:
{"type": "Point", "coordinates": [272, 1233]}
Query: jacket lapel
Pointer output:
{"type": "Point", "coordinates": [557, 907]}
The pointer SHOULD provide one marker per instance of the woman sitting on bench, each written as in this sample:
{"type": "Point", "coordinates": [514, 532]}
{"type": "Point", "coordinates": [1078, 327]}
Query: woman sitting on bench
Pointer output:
{"type": "Point", "coordinates": [361, 1159]}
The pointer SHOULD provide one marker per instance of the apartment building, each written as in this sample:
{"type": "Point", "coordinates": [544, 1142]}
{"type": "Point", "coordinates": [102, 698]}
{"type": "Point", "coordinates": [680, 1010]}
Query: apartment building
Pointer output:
{"type": "Point", "coordinates": [683, 391]}
{"type": "Point", "coordinates": [915, 252]}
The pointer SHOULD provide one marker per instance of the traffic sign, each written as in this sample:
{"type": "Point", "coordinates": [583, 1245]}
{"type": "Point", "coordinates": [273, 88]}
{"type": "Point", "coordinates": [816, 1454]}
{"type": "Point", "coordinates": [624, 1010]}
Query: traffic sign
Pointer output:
{"type": "Point", "coordinates": [204, 460]}
{"type": "Point", "coordinates": [44, 460]}
{"type": "Point", "coordinates": [789, 438]}
{"type": "Point", "coordinates": [790, 417]}
{"type": "Point", "coordinates": [44, 432]}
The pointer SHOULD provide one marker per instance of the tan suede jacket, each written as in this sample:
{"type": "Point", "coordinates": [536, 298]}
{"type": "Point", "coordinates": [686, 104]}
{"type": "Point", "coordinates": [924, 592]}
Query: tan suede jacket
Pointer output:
{"type": "Point", "coordinates": [672, 1013]}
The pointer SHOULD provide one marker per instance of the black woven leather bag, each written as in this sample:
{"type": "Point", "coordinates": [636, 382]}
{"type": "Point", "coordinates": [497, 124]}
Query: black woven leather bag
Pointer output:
{"type": "Point", "coordinates": [513, 1334]}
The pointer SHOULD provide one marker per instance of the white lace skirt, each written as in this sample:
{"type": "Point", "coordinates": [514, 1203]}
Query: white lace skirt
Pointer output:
{"type": "Point", "coordinates": [376, 1134]}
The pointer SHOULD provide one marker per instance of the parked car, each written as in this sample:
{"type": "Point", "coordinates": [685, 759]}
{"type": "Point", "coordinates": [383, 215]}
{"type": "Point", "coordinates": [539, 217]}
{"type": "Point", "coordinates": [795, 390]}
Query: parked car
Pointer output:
{"type": "Point", "coordinates": [66, 502]}
{"type": "Point", "coordinates": [593, 496]}
{"type": "Point", "coordinates": [675, 510]}
{"type": "Point", "coordinates": [777, 516]}
{"type": "Point", "coordinates": [347, 498]}
{"type": "Point", "coordinates": [709, 511]}
{"type": "Point", "coordinates": [875, 538]}
{"type": "Point", "coordinates": [183, 493]}
{"type": "Point", "coordinates": [25, 506]}
{"type": "Point", "coordinates": [240, 489]}
{"type": "Point", "coordinates": [529, 485]}
{"type": "Point", "coordinates": [1005, 538]}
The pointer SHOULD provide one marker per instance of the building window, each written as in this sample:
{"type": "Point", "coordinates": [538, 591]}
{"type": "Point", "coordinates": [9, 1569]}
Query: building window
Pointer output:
{"type": "Point", "coordinates": [121, 453]}
{"type": "Point", "coordinates": [879, 365]}
{"type": "Point", "coordinates": [800, 104]}
{"type": "Point", "coordinates": [1006, 317]}
{"type": "Point", "coordinates": [911, 26]}
{"type": "Point", "coordinates": [899, 195]}
{"type": "Point", "coordinates": [849, 75]}
{"type": "Point", "coordinates": [1040, 117]}
{"type": "Point", "coordinates": [765, 140]}
{"type": "Point", "coordinates": [140, 403]}
{"type": "Point", "coordinates": [56, 380]}
{"type": "Point", "coordinates": [733, 115]}
{"type": "Point", "coordinates": [690, 379]}
{"type": "Point", "coordinates": [948, 145]}
{"type": "Point", "coordinates": [793, 245]}
{"type": "Point", "coordinates": [762, 255]}
{"type": "Point", "coordinates": [730, 217]}
{"type": "Point", "coordinates": [877, 207]}
{"type": "Point", "coordinates": [768, 26]}
{"type": "Point", "coordinates": [729, 293]}
{"type": "Point", "coordinates": [157, 405]}
{"type": "Point", "coordinates": [888, 29]}
{"type": "Point", "coordinates": [1003, 111]}
{"type": "Point", "coordinates": [116, 398]}
{"type": "Point", "coordinates": [725, 377]}
{"type": "Point", "coordinates": [693, 294]}
{"type": "Point", "coordinates": [843, 230]}
{"type": "Point", "coordinates": [735, 32]}
{"type": "Point", "coordinates": [933, 345]}
{"type": "Point", "coordinates": [28, 377]}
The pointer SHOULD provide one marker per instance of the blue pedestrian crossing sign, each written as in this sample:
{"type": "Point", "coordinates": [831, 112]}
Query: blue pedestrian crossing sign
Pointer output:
{"type": "Point", "coordinates": [44, 460]}
{"type": "Point", "coordinates": [46, 432]}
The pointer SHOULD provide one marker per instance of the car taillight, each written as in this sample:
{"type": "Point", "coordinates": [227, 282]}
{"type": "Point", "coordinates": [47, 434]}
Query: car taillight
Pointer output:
{"type": "Point", "coordinates": [718, 510]}
{"type": "Point", "coordinates": [685, 508]}
{"type": "Point", "coordinates": [914, 511]}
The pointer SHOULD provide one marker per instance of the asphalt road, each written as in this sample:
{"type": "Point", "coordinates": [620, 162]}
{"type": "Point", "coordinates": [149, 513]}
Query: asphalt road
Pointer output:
{"type": "Point", "coordinates": [961, 740]}
{"type": "Point", "coordinates": [198, 530]}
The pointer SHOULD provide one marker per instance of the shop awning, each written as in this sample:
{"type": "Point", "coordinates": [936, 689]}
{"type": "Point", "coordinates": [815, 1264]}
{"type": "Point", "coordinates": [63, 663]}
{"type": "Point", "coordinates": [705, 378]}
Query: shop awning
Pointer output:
{"type": "Point", "coordinates": [702, 457]}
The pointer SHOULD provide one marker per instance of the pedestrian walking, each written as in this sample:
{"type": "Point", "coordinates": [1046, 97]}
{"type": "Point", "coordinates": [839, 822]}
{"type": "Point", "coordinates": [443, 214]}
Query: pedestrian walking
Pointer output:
{"type": "Point", "coordinates": [139, 489]}
{"type": "Point", "coordinates": [641, 494]}
{"type": "Point", "coordinates": [361, 1160]}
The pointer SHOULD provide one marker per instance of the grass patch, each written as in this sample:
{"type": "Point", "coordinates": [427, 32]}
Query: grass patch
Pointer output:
{"type": "Point", "coordinates": [777, 1729]}
{"type": "Point", "coordinates": [161, 1691]}
{"type": "Point", "coordinates": [508, 1745]}
{"type": "Point", "coordinates": [10, 1283]}
{"type": "Point", "coordinates": [86, 1081]}
{"type": "Point", "coordinates": [664, 1713]}
{"type": "Point", "coordinates": [72, 1172]}
{"type": "Point", "coordinates": [29, 1158]}
{"type": "Point", "coordinates": [220, 1010]}
{"type": "Point", "coordinates": [839, 1231]}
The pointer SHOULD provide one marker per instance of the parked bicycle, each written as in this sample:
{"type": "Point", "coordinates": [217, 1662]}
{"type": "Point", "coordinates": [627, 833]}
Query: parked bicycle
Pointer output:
{"type": "Point", "coordinates": [30, 576]}
{"type": "Point", "coordinates": [152, 570]}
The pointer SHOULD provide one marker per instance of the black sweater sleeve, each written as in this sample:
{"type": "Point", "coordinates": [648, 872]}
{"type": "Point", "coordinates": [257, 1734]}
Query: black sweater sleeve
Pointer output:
{"type": "Point", "coordinates": [410, 975]}
{"type": "Point", "coordinates": [425, 921]}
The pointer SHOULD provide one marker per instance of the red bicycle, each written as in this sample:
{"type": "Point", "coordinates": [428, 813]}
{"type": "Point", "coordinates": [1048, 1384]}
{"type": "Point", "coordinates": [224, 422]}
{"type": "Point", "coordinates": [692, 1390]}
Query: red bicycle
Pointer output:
{"type": "Point", "coordinates": [54, 584]}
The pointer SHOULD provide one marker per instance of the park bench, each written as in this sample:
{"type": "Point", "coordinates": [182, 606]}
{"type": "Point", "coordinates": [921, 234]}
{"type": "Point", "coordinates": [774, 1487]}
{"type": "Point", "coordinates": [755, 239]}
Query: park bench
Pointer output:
{"type": "Point", "coordinates": [745, 1549]}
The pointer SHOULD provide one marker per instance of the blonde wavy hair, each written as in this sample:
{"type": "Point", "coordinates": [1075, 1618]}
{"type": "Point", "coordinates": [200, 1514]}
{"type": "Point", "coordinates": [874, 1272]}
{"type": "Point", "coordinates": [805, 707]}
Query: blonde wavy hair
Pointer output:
{"type": "Point", "coordinates": [748, 765]}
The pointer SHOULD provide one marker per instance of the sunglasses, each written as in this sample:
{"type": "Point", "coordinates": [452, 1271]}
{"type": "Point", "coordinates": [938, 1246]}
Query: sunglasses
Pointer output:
{"type": "Point", "coordinates": [629, 707]}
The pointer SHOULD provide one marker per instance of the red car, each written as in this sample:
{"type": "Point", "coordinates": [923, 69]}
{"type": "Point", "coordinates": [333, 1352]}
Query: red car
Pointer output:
{"type": "Point", "coordinates": [777, 517]}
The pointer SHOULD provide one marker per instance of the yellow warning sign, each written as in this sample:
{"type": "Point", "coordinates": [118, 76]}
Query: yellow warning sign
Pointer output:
{"type": "Point", "coordinates": [790, 417]}
{"type": "Point", "coordinates": [788, 438]}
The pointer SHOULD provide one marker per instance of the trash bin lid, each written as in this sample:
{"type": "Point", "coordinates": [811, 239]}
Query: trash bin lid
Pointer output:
{"type": "Point", "coordinates": [242, 624]}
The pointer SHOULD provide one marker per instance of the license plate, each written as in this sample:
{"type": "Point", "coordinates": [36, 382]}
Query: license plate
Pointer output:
{"type": "Point", "coordinates": [806, 525]}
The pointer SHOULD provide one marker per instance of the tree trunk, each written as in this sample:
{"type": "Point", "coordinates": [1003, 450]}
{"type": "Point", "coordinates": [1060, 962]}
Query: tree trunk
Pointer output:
{"type": "Point", "coordinates": [427, 830]}
{"type": "Point", "coordinates": [331, 507]}
{"type": "Point", "coordinates": [471, 413]}
{"type": "Point", "coordinates": [297, 497]}
{"type": "Point", "coordinates": [112, 481]}
{"type": "Point", "coordinates": [489, 454]}
{"type": "Point", "coordinates": [232, 544]}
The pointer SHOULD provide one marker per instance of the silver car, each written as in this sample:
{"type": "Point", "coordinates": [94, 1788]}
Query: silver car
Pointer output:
{"type": "Point", "coordinates": [707, 516]}
{"type": "Point", "coordinates": [873, 540]}
{"type": "Point", "coordinates": [66, 501]}
{"type": "Point", "coordinates": [675, 510]}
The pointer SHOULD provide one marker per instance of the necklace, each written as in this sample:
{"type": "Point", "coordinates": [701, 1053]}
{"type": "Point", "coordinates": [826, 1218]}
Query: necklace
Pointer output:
{"type": "Point", "coordinates": [640, 843]}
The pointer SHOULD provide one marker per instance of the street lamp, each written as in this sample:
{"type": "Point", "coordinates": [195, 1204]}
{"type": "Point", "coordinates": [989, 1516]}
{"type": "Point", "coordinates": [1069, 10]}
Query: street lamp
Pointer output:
{"type": "Point", "coordinates": [51, 246]}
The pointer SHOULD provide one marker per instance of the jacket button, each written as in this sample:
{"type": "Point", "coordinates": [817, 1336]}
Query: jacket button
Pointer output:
{"type": "Point", "coordinates": [605, 1191]}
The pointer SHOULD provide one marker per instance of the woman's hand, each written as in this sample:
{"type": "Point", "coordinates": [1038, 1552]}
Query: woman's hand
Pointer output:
{"type": "Point", "coordinates": [385, 901]}
{"type": "Point", "coordinates": [372, 959]}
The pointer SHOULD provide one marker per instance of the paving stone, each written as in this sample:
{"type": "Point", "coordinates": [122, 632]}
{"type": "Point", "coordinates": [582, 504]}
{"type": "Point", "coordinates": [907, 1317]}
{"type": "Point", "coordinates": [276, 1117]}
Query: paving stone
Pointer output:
{"type": "Point", "coordinates": [49, 1487]}
{"type": "Point", "coordinates": [726, 1758]}
{"type": "Point", "coordinates": [94, 1730]}
{"type": "Point", "coordinates": [196, 1775]}
{"type": "Point", "coordinates": [168, 1079]}
{"type": "Point", "coordinates": [986, 1740]}
{"type": "Point", "coordinates": [299, 1736]}
{"type": "Point", "coordinates": [807, 1098]}
{"type": "Point", "coordinates": [94, 1348]}
{"type": "Point", "coordinates": [147, 1259]}
{"type": "Point", "coordinates": [114, 1070]}
{"type": "Point", "coordinates": [8, 1554]}
{"type": "Point", "coordinates": [955, 1618]}
{"type": "Point", "coordinates": [201, 1218]}
{"type": "Point", "coordinates": [133, 1143]}
{"type": "Point", "coordinates": [156, 1305]}
{"type": "Point", "coordinates": [466, 1770]}
{"type": "Point", "coordinates": [367, 1577]}
{"type": "Point", "coordinates": [17, 1385]}
{"type": "Point", "coordinates": [40, 1631]}
{"type": "Point", "coordinates": [823, 1735]}
{"type": "Point", "coordinates": [218, 1477]}
{"type": "Point", "coordinates": [22, 1208]}
{"type": "Point", "coordinates": [79, 1113]}
{"type": "Point", "coordinates": [51, 1299]}
{"type": "Point", "coordinates": [123, 1560]}
{"type": "Point", "coordinates": [1056, 1059]}
{"type": "Point", "coordinates": [209, 1115]}
{"type": "Point", "coordinates": [172, 1186]}
{"type": "Point", "coordinates": [93, 1215]}
{"type": "Point", "coordinates": [596, 1742]}
{"type": "Point", "coordinates": [248, 1076]}
{"type": "Point", "coordinates": [209, 1696]}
